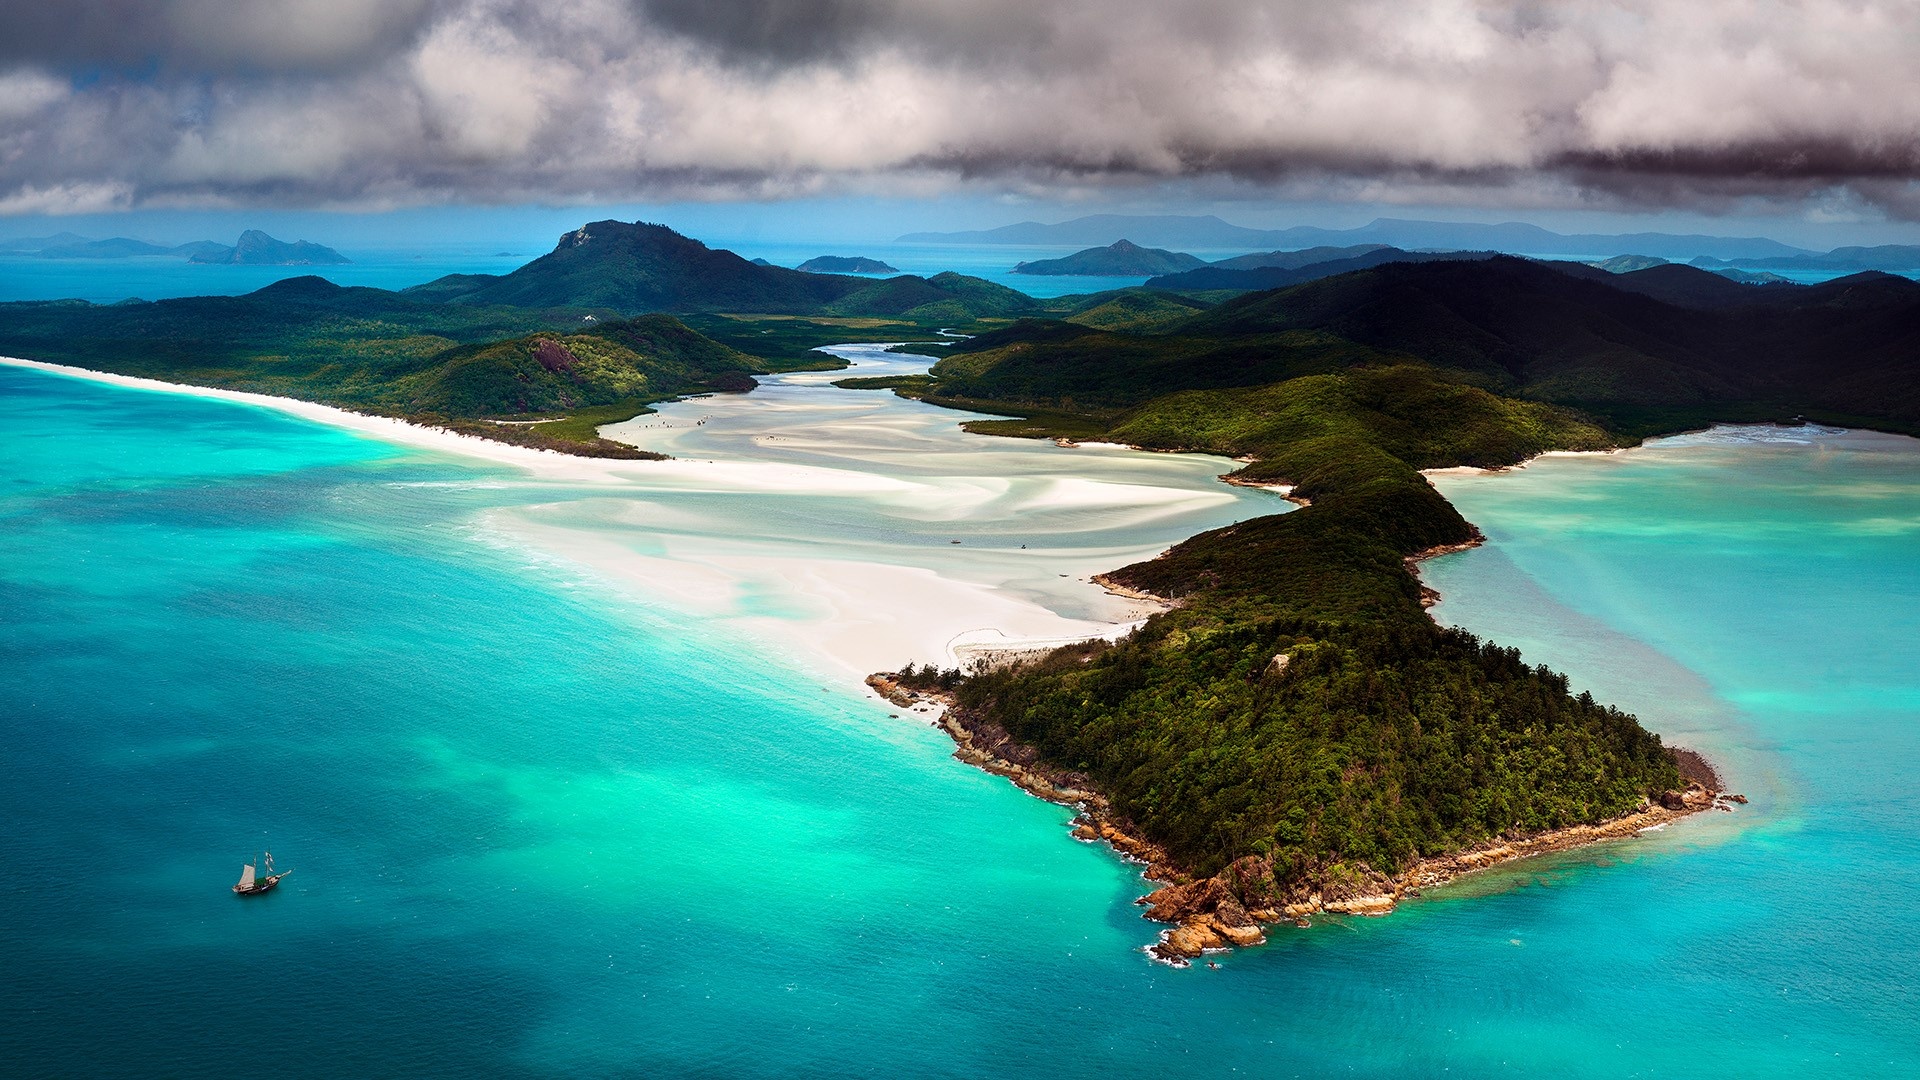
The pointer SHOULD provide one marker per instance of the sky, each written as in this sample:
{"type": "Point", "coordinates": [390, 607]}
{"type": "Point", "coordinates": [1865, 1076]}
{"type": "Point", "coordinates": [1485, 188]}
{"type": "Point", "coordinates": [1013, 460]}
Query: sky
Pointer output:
{"type": "Point", "coordinates": [334, 119]}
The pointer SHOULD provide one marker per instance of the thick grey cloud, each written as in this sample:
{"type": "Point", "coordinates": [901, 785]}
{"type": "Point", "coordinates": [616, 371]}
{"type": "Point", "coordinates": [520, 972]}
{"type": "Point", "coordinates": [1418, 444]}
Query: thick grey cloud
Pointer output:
{"type": "Point", "coordinates": [377, 102]}
{"type": "Point", "coordinates": [203, 37]}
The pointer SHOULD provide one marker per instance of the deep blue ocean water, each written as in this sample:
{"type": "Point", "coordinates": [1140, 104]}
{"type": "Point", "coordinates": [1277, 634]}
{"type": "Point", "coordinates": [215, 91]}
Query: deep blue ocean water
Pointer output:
{"type": "Point", "coordinates": [540, 827]}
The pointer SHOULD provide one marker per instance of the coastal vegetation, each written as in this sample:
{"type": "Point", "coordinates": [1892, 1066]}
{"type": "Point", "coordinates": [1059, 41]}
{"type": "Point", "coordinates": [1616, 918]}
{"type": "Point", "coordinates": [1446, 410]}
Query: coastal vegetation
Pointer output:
{"type": "Point", "coordinates": [1294, 734]}
{"type": "Point", "coordinates": [1296, 716]}
{"type": "Point", "coordinates": [490, 372]}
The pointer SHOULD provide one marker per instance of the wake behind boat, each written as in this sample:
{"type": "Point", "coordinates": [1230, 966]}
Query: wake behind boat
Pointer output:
{"type": "Point", "coordinates": [252, 884]}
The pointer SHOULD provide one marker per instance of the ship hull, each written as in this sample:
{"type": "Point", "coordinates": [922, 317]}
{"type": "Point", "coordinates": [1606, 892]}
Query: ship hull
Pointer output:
{"type": "Point", "coordinates": [258, 887]}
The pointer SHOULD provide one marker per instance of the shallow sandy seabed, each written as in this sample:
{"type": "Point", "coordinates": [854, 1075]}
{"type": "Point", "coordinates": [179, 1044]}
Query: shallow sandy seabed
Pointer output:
{"type": "Point", "coordinates": [854, 530]}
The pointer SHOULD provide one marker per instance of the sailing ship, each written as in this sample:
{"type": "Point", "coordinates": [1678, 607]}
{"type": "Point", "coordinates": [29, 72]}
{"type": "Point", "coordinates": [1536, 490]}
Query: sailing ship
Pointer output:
{"type": "Point", "coordinates": [252, 884]}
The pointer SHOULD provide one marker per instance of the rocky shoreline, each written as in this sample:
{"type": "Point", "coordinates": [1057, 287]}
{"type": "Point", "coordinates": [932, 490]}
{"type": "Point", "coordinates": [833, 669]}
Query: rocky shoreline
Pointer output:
{"type": "Point", "coordinates": [1233, 908]}
{"type": "Point", "coordinates": [1131, 593]}
{"type": "Point", "coordinates": [1430, 596]}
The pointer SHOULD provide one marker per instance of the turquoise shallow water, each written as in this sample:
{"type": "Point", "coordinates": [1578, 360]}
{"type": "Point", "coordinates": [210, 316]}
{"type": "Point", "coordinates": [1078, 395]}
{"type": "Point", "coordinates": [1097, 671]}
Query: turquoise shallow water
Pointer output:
{"type": "Point", "coordinates": [541, 828]}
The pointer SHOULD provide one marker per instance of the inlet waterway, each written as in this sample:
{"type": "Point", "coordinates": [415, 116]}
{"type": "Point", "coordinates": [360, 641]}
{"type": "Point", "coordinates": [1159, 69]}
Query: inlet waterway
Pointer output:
{"type": "Point", "coordinates": [575, 779]}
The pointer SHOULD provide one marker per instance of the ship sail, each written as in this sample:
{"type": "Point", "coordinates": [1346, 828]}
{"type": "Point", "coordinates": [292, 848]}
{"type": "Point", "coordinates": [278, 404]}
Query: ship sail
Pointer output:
{"type": "Point", "coordinates": [246, 876]}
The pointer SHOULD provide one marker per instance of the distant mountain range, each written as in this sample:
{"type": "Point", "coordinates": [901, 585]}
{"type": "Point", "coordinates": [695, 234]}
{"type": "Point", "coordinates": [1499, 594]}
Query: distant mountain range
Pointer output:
{"type": "Point", "coordinates": [254, 248]}
{"type": "Point", "coordinates": [28, 245]}
{"type": "Point", "coordinates": [1123, 258]}
{"type": "Point", "coordinates": [1513, 236]}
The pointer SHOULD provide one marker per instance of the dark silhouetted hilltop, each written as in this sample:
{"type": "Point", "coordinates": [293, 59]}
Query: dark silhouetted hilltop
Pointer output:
{"type": "Point", "coordinates": [1293, 260]}
{"type": "Point", "coordinates": [1122, 258]}
{"type": "Point", "coordinates": [635, 268]}
{"type": "Point", "coordinates": [844, 264]}
{"type": "Point", "coordinates": [255, 248]}
{"type": "Point", "coordinates": [1221, 277]}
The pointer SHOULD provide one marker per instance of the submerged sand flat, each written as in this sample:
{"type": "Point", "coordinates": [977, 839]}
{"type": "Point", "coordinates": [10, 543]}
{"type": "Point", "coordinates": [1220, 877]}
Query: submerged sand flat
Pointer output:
{"type": "Point", "coordinates": [823, 521]}
{"type": "Point", "coordinates": [827, 519]}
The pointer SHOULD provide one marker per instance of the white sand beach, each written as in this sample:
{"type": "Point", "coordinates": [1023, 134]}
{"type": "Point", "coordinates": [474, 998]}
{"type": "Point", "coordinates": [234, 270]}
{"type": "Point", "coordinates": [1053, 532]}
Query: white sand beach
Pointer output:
{"type": "Point", "coordinates": [852, 530]}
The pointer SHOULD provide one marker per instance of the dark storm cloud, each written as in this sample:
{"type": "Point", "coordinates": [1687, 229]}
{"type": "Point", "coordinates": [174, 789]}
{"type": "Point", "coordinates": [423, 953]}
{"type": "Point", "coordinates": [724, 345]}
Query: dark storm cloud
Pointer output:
{"type": "Point", "coordinates": [783, 32]}
{"type": "Point", "coordinates": [207, 36]}
{"type": "Point", "coordinates": [375, 102]}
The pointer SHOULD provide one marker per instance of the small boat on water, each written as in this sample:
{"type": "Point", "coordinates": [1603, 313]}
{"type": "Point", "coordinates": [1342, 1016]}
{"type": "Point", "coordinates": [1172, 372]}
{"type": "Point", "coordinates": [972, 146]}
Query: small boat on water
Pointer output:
{"type": "Point", "coordinates": [252, 884]}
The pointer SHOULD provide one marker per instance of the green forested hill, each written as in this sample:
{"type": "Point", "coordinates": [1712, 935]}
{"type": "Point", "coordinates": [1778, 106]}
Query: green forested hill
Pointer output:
{"type": "Point", "coordinates": [1122, 258]}
{"type": "Point", "coordinates": [1403, 410]}
{"type": "Point", "coordinates": [1135, 311]}
{"type": "Point", "coordinates": [639, 268]}
{"type": "Point", "coordinates": [1644, 350]}
{"type": "Point", "coordinates": [1381, 737]}
{"type": "Point", "coordinates": [1275, 270]}
{"type": "Point", "coordinates": [377, 351]}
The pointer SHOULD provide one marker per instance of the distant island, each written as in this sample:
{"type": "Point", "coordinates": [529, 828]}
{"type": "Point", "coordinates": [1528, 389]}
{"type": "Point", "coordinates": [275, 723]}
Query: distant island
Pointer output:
{"type": "Point", "coordinates": [1626, 264]}
{"type": "Point", "coordinates": [120, 247]}
{"type": "Point", "coordinates": [1122, 258]}
{"type": "Point", "coordinates": [254, 248]}
{"type": "Point", "coordinates": [844, 264]}
{"type": "Point", "coordinates": [1753, 277]}
{"type": "Point", "coordinates": [1888, 257]}
{"type": "Point", "coordinates": [1172, 230]}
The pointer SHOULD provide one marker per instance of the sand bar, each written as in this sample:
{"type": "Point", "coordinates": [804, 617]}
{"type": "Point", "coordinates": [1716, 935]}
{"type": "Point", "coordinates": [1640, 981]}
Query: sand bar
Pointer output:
{"type": "Point", "coordinates": [852, 531]}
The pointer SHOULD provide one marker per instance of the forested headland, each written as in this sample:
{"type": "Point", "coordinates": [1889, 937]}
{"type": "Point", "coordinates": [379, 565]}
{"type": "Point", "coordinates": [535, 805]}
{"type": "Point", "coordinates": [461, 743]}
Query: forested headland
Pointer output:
{"type": "Point", "coordinates": [1296, 734]}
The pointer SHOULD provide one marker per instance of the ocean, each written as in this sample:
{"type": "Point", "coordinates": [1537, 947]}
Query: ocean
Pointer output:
{"type": "Point", "coordinates": [160, 277]}
{"type": "Point", "coordinates": [543, 822]}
